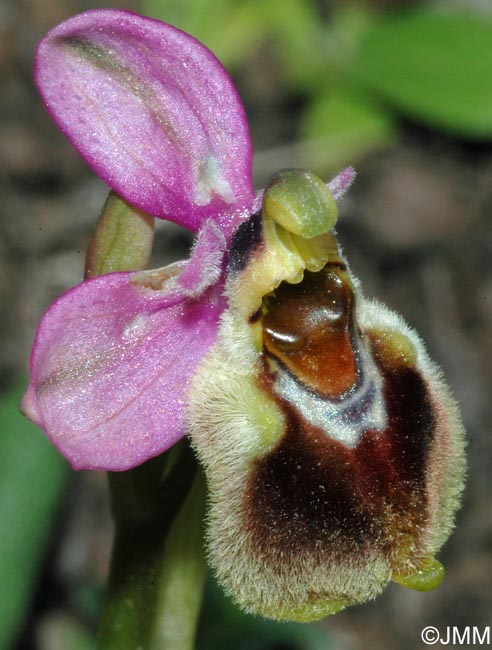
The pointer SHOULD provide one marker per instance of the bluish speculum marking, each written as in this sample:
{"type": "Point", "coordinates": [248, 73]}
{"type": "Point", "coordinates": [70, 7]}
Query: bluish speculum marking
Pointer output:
{"type": "Point", "coordinates": [318, 360]}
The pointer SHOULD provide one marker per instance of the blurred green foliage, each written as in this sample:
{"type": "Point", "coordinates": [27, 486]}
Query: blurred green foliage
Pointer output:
{"type": "Point", "coordinates": [433, 66]}
{"type": "Point", "coordinates": [32, 478]}
{"type": "Point", "coordinates": [358, 69]}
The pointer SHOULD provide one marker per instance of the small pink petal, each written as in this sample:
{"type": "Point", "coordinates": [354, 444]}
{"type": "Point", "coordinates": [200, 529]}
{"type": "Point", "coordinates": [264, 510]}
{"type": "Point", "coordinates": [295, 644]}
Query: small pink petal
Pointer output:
{"type": "Point", "coordinates": [152, 111]}
{"type": "Point", "coordinates": [111, 365]}
{"type": "Point", "coordinates": [205, 266]}
{"type": "Point", "coordinates": [339, 185]}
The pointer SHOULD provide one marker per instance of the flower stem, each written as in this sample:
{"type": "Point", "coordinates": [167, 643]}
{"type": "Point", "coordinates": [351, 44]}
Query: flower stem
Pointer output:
{"type": "Point", "coordinates": [157, 567]}
{"type": "Point", "coordinates": [183, 575]}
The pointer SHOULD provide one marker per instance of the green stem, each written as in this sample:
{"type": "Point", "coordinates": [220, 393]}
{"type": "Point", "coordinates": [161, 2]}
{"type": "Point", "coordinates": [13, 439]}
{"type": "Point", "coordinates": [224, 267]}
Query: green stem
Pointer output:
{"type": "Point", "coordinates": [183, 575]}
{"type": "Point", "coordinates": [157, 566]}
{"type": "Point", "coordinates": [130, 600]}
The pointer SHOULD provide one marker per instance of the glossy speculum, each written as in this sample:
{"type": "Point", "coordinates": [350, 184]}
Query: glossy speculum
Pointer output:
{"type": "Point", "coordinates": [309, 328]}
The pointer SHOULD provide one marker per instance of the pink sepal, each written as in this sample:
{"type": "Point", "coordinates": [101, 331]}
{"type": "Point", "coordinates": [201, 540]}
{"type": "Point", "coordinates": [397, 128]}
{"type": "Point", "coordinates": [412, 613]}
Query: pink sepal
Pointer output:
{"type": "Point", "coordinates": [152, 111]}
{"type": "Point", "coordinates": [111, 365]}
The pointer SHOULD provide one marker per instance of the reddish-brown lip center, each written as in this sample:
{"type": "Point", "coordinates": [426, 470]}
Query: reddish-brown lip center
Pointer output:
{"type": "Point", "coordinates": [308, 328]}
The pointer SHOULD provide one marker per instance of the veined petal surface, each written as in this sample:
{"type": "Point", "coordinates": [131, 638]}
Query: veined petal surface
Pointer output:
{"type": "Point", "coordinates": [111, 365]}
{"type": "Point", "coordinates": [153, 112]}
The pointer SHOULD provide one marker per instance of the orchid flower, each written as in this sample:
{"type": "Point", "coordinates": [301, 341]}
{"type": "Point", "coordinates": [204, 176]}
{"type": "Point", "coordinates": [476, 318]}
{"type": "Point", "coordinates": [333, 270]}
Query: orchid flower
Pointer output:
{"type": "Point", "coordinates": [332, 447]}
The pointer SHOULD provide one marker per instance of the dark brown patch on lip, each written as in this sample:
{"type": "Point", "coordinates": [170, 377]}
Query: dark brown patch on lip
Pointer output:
{"type": "Point", "coordinates": [313, 495]}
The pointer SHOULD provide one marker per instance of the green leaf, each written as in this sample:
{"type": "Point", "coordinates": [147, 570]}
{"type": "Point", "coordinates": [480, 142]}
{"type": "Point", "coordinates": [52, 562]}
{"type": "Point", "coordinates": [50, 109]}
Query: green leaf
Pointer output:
{"type": "Point", "coordinates": [32, 479]}
{"type": "Point", "coordinates": [435, 67]}
{"type": "Point", "coordinates": [338, 127]}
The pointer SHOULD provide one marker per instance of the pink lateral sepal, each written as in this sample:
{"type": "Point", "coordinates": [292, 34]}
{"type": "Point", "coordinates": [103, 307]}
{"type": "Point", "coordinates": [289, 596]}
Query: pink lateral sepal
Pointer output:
{"type": "Point", "coordinates": [111, 364]}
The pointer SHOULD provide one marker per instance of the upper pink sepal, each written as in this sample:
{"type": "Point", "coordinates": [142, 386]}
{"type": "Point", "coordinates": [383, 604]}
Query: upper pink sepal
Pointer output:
{"type": "Point", "coordinates": [111, 364]}
{"type": "Point", "coordinates": [152, 111]}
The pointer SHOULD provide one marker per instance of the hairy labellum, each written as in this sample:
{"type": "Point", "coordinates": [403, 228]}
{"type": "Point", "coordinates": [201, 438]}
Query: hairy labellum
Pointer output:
{"type": "Point", "coordinates": [333, 449]}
